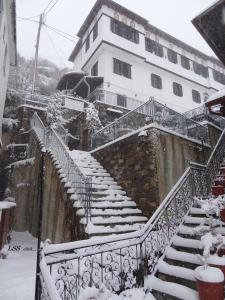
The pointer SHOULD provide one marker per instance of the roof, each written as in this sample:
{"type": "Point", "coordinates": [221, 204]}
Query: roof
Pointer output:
{"type": "Point", "coordinates": [218, 95]}
{"type": "Point", "coordinates": [211, 25]}
{"type": "Point", "coordinates": [69, 80]}
{"type": "Point", "coordinates": [144, 22]}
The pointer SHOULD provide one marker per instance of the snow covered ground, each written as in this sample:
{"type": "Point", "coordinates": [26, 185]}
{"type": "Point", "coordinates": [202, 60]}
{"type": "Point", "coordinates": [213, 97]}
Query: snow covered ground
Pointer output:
{"type": "Point", "coordinates": [17, 272]}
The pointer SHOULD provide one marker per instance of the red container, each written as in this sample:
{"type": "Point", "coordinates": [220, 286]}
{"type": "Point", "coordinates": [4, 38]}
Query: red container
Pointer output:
{"type": "Point", "coordinates": [220, 181]}
{"type": "Point", "coordinates": [222, 215]}
{"type": "Point", "coordinates": [221, 252]}
{"type": "Point", "coordinates": [210, 290]}
{"type": "Point", "coordinates": [217, 190]}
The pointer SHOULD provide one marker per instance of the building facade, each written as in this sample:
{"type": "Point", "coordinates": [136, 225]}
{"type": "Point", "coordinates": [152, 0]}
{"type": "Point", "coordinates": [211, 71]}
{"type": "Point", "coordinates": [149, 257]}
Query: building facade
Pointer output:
{"type": "Point", "coordinates": [138, 60]}
{"type": "Point", "coordinates": [7, 47]}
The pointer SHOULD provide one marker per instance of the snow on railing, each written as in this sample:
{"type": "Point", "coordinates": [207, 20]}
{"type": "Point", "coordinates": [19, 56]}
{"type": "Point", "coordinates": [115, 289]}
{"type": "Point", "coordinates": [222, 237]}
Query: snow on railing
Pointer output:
{"type": "Point", "coordinates": [80, 183]}
{"type": "Point", "coordinates": [148, 113]}
{"type": "Point", "coordinates": [48, 289]}
{"type": "Point", "coordinates": [121, 262]}
{"type": "Point", "coordinates": [201, 114]}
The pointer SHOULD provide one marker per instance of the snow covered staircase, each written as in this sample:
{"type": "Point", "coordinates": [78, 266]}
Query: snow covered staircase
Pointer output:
{"type": "Point", "coordinates": [112, 211]}
{"type": "Point", "coordinates": [174, 278]}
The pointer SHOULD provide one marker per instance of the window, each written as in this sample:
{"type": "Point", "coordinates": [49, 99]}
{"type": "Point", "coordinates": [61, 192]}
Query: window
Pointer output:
{"type": "Point", "coordinates": [153, 47]}
{"type": "Point", "coordinates": [200, 70]}
{"type": "Point", "coordinates": [125, 31]}
{"type": "Point", "coordinates": [121, 100]}
{"type": "Point", "coordinates": [1, 6]}
{"type": "Point", "coordinates": [156, 81]}
{"type": "Point", "coordinates": [219, 77]}
{"type": "Point", "coordinates": [94, 69]}
{"type": "Point", "coordinates": [87, 43]}
{"type": "Point", "coordinates": [196, 96]}
{"type": "Point", "coordinates": [5, 59]}
{"type": "Point", "coordinates": [121, 68]}
{"type": "Point", "coordinates": [177, 89]}
{"type": "Point", "coordinates": [95, 31]}
{"type": "Point", "coordinates": [172, 56]}
{"type": "Point", "coordinates": [185, 62]}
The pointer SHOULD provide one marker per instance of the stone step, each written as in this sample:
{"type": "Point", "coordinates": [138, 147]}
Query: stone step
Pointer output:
{"type": "Point", "coordinates": [111, 212]}
{"type": "Point", "coordinates": [99, 230]}
{"type": "Point", "coordinates": [115, 220]}
{"type": "Point", "coordinates": [108, 204]}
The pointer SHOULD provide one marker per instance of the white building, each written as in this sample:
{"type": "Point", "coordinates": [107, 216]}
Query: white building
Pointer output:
{"type": "Point", "coordinates": [7, 47]}
{"type": "Point", "coordinates": [138, 60]}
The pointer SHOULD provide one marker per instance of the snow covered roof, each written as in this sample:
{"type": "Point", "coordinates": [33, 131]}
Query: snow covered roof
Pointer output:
{"type": "Point", "coordinates": [210, 24]}
{"type": "Point", "coordinates": [6, 205]}
{"type": "Point", "coordinates": [218, 95]}
{"type": "Point", "coordinates": [140, 20]}
{"type": "Point", "coordinates": [69, 80]}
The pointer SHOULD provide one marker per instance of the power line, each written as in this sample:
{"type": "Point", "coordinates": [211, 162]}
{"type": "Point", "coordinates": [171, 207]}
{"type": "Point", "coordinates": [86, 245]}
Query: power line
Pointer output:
{"type": "Point", "coordinates": [60, 31]}
{"type": "Point", "coordinates": [47, 6]}
{"type": "Point", "coordinates": [55, 48]}
{"type": "Point", "coordinates": [48, 11]}
{"type": "Point", "coordinates": [51, 28]}
{"type": "Point", "coordinates": [26, 19]}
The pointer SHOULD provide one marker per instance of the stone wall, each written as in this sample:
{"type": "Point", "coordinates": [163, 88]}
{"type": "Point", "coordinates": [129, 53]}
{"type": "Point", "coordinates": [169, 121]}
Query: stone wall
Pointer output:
{"type": "Point", "coordinates": [59, 220]}
{"type": "Point", "coordinates": [147, 167]}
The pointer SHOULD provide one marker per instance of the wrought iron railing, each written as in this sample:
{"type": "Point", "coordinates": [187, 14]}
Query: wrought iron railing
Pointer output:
{"type": "Point", "coordinates": [201, 114]}
{"type": "Point", "coordinates": [52, 141]}
{"type": "Point", "coordinates": [120, 262]}
{"type": "Point", "coordinates": [150, 112]}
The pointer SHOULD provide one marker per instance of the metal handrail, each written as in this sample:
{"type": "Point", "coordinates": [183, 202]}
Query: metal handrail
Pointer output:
{"type": "Point", "coordinates": [201, 113]}
{"type": "Point", "coordinates": [148, 113]}
{"type": "Point", "coordinates": [81, 183]}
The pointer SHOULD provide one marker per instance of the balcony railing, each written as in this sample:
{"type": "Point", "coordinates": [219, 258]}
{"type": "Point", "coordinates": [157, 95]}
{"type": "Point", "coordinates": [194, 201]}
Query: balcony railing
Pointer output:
{"type": "Point", "coordinates": [111, 99]}
{"type": "Point", "coordinates": [201, 114]}
{"type": "Point", "coordinates": [150, 112]}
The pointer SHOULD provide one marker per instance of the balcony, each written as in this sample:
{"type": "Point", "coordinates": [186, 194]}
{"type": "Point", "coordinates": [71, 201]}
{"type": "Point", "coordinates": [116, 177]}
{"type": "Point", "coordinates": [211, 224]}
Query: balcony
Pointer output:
{"type": "Point", "coordinates": [114, 99]}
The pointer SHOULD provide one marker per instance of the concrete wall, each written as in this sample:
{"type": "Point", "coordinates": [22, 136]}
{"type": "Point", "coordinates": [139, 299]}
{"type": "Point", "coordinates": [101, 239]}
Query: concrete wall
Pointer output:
{"type": "Point", "coordinates": [147, 167]}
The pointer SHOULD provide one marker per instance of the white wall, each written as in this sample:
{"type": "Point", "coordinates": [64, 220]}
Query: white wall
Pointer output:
{"type": "Point", "coordinates": [3, 43]}
{"type": "Point", "coordinates": [143, 64]}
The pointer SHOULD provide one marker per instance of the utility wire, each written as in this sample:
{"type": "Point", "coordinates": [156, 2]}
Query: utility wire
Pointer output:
{"type": "Point", "coordinates": [55, 48]}
{"type": "Point", "coordinates": [48, 11]}
{"type": "Point", "coordinates": [47, 6]}
{"type": "Point", "coordinates": [60, 34]}
{"type": "Point", "coordinates": [60, 31]}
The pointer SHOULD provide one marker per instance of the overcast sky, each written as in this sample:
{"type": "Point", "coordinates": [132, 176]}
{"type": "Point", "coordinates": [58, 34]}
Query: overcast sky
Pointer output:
{"type": "Point", "coordinates": [172, 16]}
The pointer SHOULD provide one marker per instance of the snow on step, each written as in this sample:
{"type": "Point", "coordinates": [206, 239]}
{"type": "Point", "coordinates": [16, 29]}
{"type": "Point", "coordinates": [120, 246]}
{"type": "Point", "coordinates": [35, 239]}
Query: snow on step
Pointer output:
{"type": "Point", "coordinates": [176, 271]}
{"type": "Point", "coordinates": [123, 211]}
{"type": "Point", "coordinates": [187, 243]}
{"type": "Point", "coordinates": [112, 211]}
{"type": "Point", "coordinates": [99, 229]}
{"type": "Point", "coordinates": [115, 220]}
{"type": "Point", "coordinates": [172, 253]}
{"type": "Point", "coordinates": [172, 289]}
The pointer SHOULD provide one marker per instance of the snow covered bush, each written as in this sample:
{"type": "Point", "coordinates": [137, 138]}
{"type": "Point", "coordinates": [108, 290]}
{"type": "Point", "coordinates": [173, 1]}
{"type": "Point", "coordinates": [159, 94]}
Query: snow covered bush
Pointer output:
{"type": "Point", "coordinates": [92, 118]}
{"type": "Point", "coordinates": [54, 111]}
{"type": "Point", "coordinates": [4, 252]}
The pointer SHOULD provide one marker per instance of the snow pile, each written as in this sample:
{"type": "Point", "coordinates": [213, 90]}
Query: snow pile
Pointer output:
{"type": "Point", "coordinates": [143, 133]}
{"type": "Point", "coordinates": [23, 162]}
{"type": "Point", "coordinates": [17, 272]}
{"type": "Point", "coordinates": [6, 205]}
{"type": "Point", "coordinates": [92, 293]}
{"type": "Point", "coordinates": [92, 118]}
{"type": "Point", "coordinates": [9, 123]}
{"type": "Point", "coordinates": [209, 274]}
